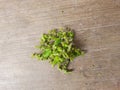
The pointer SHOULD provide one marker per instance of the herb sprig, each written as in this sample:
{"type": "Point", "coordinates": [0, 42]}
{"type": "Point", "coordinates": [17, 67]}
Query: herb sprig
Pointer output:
{"type": "Point", "coordinates": [58, 47]}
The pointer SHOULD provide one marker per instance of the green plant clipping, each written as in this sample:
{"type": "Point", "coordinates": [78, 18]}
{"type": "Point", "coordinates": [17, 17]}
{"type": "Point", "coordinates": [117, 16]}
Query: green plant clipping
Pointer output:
{"type": "Point", "coordinates": [58, 48]}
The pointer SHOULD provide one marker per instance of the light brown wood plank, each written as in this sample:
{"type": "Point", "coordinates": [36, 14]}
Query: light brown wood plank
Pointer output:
{"type": "Point", "coordinates": [97, 28]}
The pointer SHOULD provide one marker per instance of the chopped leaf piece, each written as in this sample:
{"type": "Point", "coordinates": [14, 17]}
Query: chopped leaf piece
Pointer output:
{"type": "Point", "coordinates": [57, 41]}
{"type": "Point", "coordinates": [46, 53]}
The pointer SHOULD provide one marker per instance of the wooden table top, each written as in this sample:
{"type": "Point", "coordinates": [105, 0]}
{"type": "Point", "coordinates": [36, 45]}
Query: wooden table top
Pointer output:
{"type": "Point", "coordinates": [97, 27]}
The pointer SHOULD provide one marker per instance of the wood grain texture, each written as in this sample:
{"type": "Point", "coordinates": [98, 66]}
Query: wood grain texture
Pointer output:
{"type": "Point", "coordinates": [97, 27]}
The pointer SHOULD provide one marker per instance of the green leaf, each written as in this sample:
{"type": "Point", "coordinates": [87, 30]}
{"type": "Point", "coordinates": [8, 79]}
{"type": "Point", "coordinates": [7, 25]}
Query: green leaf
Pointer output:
{"type": "Point", "coordinates": [59, 49]}
{"type": "Point", "coordinates": [57, 41]}
{"type": "Point", "coordinates": [46, 53]}
{"type": "Point", "coordinates": [56, 61]}
{"type": "Point", "coordinates": [69, 47]}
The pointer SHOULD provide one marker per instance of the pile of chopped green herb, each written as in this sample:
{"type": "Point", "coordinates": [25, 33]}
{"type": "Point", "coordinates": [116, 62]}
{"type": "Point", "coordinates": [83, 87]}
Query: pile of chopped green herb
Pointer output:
{"type": "Point", "coordinates": [57, 46]}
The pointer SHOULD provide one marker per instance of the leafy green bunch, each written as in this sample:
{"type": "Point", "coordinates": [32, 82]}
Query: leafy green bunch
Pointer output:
{"type": "Point", "coordinates": [57, 46]}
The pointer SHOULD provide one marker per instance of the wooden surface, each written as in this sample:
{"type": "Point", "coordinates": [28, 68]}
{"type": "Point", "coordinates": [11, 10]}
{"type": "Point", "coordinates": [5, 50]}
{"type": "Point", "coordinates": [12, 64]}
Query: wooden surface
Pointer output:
{"type": "Point", "coordinates": [97, 27]}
